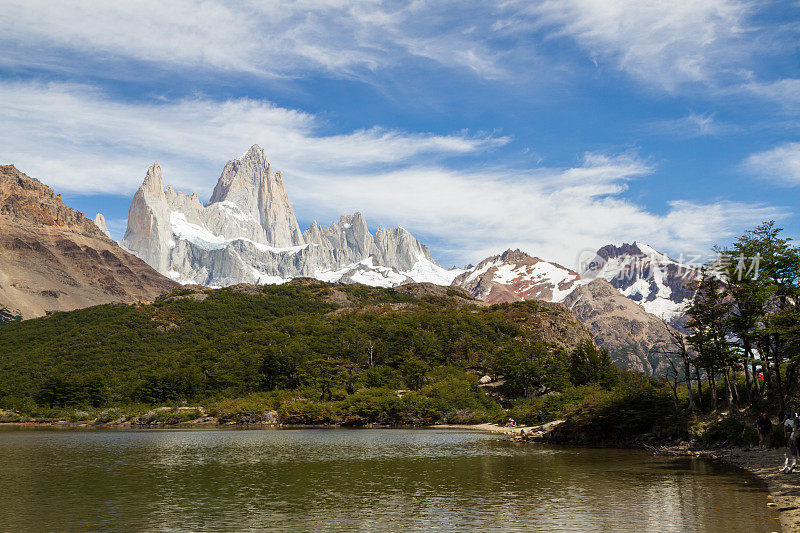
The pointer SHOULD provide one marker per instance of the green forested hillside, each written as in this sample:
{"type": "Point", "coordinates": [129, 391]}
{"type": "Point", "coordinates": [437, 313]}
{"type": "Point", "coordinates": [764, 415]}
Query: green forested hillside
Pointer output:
{"type": "Point", "coordinates": [325, 343]}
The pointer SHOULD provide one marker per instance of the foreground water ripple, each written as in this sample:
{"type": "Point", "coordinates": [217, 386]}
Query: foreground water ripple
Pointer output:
{"type": "Point", "coordinates": [352, 480]}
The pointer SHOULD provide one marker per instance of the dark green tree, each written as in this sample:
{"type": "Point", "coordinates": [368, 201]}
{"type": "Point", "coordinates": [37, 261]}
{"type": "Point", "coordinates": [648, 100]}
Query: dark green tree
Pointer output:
{"type": "Point", "coordinates": [6, 316]}
{"type": "Point", "coordinates": [589, 364]}
{"type": "Point", "coordinates": [708, 315]}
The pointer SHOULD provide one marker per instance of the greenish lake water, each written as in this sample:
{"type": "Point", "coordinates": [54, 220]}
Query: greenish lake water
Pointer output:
{"type": "Point", "coordinates": [349, 480]}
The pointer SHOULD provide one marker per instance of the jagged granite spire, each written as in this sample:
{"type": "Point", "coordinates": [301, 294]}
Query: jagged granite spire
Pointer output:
{"type": "Point", "coordinates": [148, 233]}
{"type": "Point", "coordinates": [250, 183]}
{"type": "Point", "coordinates": [100, 222]}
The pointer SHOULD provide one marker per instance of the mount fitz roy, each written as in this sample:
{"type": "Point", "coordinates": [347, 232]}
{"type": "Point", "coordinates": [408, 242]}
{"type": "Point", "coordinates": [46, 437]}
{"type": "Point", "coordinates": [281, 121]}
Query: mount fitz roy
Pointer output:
{"type": "Point", "coordinates": [248, 233]}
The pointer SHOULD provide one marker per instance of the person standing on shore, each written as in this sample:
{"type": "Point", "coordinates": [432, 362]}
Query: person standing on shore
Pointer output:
{"type": "Point", "coordinates": [792, 432]}
{"type": "Point", "coordinates": [764, 429]}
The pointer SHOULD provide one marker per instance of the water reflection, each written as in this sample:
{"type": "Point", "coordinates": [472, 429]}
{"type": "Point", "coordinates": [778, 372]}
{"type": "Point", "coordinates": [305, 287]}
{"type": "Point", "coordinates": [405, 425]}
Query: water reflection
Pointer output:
{"type": "Point", "coordinates": [358, 480]}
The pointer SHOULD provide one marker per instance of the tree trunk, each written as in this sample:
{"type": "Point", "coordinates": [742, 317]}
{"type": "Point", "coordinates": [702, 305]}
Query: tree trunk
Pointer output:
{"type": "Point", "coordinates": [687, 373]}
{"type": "Point", "coordinates": [767, 386]}
{"type": "Point", "coordinates": [713, 385]}
{"type": "Point", "coordinates": [735, 386]}
{"type": "Point", "coordinates": [726, 378]}
{"type": "Point", "coordinates": [748, 385]}
{"type": "Point", "coordinates": [758, 391]}
{"type": "Point", "coordinates": [674, 387]}
{"type": "Point", "coordinates": [699, 388]}
{"type": "Point", "coordinates": [751, 383]}
{"type": "Point", "coordinates": [791, 379]}
{"type": "Point", "coordinates": [778, 381]}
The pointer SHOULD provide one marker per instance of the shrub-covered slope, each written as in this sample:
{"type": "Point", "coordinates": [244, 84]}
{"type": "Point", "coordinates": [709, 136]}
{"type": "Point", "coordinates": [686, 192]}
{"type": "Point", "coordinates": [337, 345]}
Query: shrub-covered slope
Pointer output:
{"type": "Point", "coordinates": [328, 341]}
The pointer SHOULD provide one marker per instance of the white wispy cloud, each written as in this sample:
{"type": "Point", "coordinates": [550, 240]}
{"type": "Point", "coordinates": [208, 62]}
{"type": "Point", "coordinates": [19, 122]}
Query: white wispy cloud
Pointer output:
{"type": "Point", "coordinates": [60, 130]}
{"type": "Point", "coordinates": [554, 212]}
{"type": "Point", "coordinates": [78, 139]}
{"type": "Point", "coordinates": [780, 164]}
{"type": "Point", "coordinates": [663, 43]}
{"type": "Point", "coordinates": [276, 38]}
{"type": "Point", "coordinates": [785, 92]}
{"type": "Point", "coordinates": [693, 125]}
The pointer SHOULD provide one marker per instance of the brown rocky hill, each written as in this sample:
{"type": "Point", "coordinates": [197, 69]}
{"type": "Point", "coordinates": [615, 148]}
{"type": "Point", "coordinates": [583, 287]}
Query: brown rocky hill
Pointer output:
{"type": "Point", "coordinates": [53, 258]}
{"type": "Point", "coordinates": [632, 335]}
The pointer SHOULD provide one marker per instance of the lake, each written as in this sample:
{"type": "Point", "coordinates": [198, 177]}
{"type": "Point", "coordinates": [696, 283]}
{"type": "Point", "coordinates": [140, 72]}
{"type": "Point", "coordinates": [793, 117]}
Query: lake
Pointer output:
{"type": "Point", "coordinates": [345, 480]}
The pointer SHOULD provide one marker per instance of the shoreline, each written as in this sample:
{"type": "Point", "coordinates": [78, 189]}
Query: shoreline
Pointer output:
{"type": "Point", "coordinates": [536, 432]}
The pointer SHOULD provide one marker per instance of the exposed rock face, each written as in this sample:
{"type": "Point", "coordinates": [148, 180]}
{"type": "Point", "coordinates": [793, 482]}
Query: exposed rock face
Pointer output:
{"type": "Point", "coordinates": [55, 259]}
{"type": "Point", "coordinates": [248, 233]}
{"type": "Point", "coordinates": [514, 276]}
{"type": "Point", "coordinates": [250, 184]}
{"type": "Point", "coordinates": [630, 333]}
{"type": "Point", "coordinates": [100, 222]}
{"type": "Point", "coordinates": [659, 284]}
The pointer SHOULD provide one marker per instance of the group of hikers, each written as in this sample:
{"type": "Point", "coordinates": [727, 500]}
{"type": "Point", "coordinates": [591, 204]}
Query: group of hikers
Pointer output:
{"type": "Point", "coordinates": [513, 423]}
{"type": "Point", "coordinates": [791, 430]}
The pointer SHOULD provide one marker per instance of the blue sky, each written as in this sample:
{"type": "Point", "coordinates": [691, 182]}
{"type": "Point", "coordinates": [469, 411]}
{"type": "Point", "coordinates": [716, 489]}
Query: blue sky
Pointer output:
{"type": "Point", "coordinates": [554, 126]}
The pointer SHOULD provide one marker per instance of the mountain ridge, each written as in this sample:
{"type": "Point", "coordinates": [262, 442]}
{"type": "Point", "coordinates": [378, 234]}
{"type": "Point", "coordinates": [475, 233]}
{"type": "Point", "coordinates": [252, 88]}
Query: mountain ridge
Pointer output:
{"type": "Point", "coordinates": [248, 233]}
{"type": "Point", "coordinates": [54, 258]}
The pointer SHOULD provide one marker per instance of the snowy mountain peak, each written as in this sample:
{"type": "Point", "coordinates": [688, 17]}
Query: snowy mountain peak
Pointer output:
{"type": "Point", "coordinates": [635, 249]}
{"type": "Point", "coordinates": [515, 275]}
{"type": "Point", "coordinates": [248, 233]}
{"type": "Point", "coordinates": [650, 278]}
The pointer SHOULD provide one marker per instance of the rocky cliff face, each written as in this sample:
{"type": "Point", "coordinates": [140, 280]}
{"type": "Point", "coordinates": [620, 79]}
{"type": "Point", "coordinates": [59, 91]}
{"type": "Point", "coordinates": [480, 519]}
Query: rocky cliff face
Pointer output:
{"type": "Point", "coordinates": [248, 233]}
{"type": "Point", "coordinates": [249, 184]}
{"type": "Point", "coordinates": [55, 259]}
{"type": "Point", "coordinates": [631, 334]}
{"type": "Point", "coordinates": [100, 222]}
{"type": "Point", "coordinates": [661, 285]}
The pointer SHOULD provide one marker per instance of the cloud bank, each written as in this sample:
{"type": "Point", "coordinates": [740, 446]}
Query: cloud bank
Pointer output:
{"type": "Point", "coordinates": [665, 44]}
{"type": "Point", "coordinates": [79, 140]}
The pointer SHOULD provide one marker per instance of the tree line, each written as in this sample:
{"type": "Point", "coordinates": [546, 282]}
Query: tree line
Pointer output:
{"type": "Point", "coordinates": [742, 331]}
